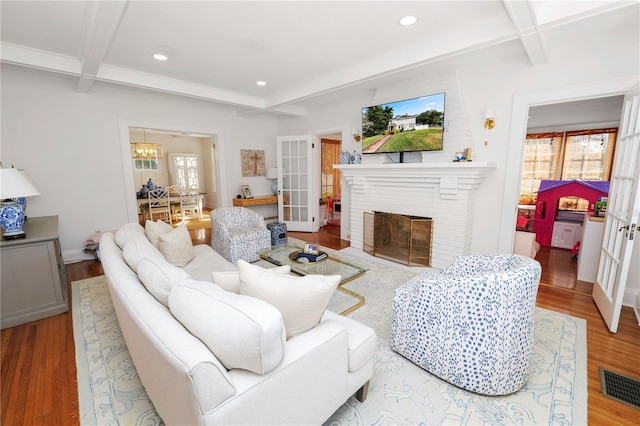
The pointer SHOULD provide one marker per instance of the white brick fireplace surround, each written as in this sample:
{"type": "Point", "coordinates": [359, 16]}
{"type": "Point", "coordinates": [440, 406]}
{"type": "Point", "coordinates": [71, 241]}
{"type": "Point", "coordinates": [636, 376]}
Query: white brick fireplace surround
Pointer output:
{"type": "Point", "coordinates": [442, 191]}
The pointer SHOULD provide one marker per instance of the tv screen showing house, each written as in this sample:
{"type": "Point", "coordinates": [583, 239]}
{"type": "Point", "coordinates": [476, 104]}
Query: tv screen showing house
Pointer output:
{"type": "Point", "coordinates": [415, 124]}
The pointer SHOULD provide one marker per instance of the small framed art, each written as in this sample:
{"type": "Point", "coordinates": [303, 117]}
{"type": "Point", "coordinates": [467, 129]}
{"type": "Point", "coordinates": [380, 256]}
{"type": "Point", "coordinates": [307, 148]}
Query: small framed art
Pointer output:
{"type": "Point", "coordinates": [246, 191]}
{"type": "Point", "coordinates": [310, 248]}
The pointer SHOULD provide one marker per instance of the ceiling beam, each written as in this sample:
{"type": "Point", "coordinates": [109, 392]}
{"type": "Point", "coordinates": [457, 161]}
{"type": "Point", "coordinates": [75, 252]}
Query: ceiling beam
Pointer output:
{"type": "Point", "coordinates": [101, 22]}
{"type": "Point", "coordinates": [524, 21]}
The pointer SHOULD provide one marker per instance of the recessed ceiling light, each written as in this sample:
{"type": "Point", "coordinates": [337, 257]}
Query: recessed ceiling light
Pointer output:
{"type": "Point", "coordinates": [261, 83]}
{"type": "Point", "coordinates": [160, 57]}
{"type": "Point", "coordinates": [408, 20]}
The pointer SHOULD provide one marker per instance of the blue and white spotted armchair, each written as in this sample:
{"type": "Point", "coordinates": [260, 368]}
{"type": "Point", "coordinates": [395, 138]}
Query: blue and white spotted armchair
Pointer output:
{"type": "Point", "coordinates": [470, 324]}
{"type": "Point", "coordinates": [239, 233]}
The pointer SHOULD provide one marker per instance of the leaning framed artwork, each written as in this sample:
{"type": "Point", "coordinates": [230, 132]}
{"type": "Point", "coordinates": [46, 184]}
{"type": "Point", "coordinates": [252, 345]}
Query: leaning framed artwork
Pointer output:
{"type": "Point", "coordinates": [246, 191]}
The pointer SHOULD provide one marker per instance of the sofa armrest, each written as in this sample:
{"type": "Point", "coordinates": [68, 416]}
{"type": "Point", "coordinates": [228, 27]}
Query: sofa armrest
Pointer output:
{"type": "Point", "coordinates": [361, 339]}
{"type": "Point", "coordinates": [310, 383]}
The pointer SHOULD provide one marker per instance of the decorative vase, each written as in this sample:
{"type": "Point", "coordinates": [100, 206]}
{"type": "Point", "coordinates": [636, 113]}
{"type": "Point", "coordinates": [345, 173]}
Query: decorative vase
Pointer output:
{"type": "Point", "coordinates": [12, 219]}
{"type": "Point", "coordinates": [274, 187]}
{"type": "Point", "coordinates": [22, 202]}
{"type": "Point", "coordinates": [345, 157]}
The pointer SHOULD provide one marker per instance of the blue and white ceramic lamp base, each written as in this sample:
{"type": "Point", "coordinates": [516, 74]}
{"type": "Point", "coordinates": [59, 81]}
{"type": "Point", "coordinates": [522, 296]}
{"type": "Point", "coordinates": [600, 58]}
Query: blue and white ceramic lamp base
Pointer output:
{"type": "Point", "coordinates": [12, 218]}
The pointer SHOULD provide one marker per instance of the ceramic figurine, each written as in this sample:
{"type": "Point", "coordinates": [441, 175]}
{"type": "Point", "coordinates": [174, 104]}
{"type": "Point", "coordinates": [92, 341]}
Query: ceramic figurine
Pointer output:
{"type": "Point", "coordinates": [345, 157]}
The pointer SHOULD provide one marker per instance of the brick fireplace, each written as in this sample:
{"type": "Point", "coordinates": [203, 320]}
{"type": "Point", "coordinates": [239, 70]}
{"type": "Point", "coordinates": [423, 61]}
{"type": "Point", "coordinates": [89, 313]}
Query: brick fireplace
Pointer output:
{"type": "Point", "coordinates": [444, 192]}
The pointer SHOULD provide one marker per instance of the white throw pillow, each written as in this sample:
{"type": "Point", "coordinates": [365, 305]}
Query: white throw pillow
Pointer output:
{"type": "Point", "coordinates": [230, 280]}
{"type": "Point", "coordinates": [139, 247]}
{"type": "Point", "coordinates": [176, 246]}
{"type": "Point", "coordinates": [301, 300]}
{"type": "Point", "coordinates": [153, 230]}
{"type": "Point", "coordinates": [127, 232]}
{"type": "Point", "coordinates": [241, 331]}
{"type": "Point", "coordinates": [159, 277]}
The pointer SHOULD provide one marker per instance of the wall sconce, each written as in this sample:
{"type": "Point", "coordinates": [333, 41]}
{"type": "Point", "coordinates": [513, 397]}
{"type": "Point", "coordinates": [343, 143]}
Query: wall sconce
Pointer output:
{"type": "Point", "coordinates": [489, 123]}
{"type": "Point", "coordinates": [356, 135]}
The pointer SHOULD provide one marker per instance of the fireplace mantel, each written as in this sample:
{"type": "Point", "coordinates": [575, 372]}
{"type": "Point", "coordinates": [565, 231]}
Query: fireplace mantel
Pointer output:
{"type": "Point", "coordinates": [462, 168]}
{"type": "Point", "coordinates": [442, 191]}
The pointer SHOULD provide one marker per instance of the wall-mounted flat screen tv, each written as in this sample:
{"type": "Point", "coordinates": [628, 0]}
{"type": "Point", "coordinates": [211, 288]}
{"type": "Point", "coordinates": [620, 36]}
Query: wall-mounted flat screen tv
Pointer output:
{"type": "Point", "coordinates": [410, 125]}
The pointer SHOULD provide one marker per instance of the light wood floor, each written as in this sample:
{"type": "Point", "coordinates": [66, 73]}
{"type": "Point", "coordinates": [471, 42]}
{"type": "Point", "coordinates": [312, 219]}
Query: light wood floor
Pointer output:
{"type": "Point", "coordinates": [38, 371]}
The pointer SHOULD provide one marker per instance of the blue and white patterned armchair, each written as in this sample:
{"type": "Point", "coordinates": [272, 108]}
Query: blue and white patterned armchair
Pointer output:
{"type": "Point", "coordinates": [470, 324]}
{"type": "Point", "coordinates": [239, 233]}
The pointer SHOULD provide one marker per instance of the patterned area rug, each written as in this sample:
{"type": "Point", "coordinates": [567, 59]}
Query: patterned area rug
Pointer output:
{"type": "Point", "coordinates": [400, 392]}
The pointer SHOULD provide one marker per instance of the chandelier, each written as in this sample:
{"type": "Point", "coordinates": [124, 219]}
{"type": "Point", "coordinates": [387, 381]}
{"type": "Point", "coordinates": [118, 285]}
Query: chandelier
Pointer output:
{"type": "Point", "coordinates": [146, 149]}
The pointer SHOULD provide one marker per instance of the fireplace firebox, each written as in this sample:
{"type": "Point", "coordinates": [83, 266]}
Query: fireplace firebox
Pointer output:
{"type": "Point", "coordinates": [401, 238]}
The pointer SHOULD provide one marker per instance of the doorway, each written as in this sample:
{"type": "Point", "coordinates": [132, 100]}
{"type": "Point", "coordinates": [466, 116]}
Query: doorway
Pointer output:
{"type": "Point", "coordinates": [213, 172]}
{"type": "Point", "coordinates": [522, 105]}
{"type": "Point", "coordinates": [566, 142]}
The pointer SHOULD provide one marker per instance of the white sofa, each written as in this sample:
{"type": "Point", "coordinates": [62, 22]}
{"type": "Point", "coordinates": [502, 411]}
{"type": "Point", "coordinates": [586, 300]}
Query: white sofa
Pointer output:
{"type": "Point", "coordinates": [311, 376]}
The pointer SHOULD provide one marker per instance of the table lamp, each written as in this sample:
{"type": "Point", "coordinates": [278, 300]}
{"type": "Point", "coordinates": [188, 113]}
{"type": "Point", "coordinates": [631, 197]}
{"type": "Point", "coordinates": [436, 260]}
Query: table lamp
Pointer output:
{"type": "Point", "coordinates": [15, 185]}
{"type": "Point", "coordinates": [272, 173]}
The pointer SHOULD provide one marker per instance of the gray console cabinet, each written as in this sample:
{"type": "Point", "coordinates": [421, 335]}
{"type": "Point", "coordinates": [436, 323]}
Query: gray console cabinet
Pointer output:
{"type": "Point", "coordinates": [34, 280]}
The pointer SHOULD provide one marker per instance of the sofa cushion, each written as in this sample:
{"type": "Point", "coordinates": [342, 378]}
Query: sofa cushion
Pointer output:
{"type": "Point", "coordinates": [127, 232]}
{"type": "Point", "coordinates": [159, 277]}
{"type": "Point", "coordinates": [176, 246]}
{"type": "Point", "coordinates": [205, 261]}
{"type": "Point", "coordinates": [153, 230]}
{"type": "Point", "coordinates": [241, 331]}
{"type": "Point", "coordinates": [137, 248]}
{"type": "Point", "coordinates": [230, 280]}
{"type": "Point", "coordinates": [301, 300]}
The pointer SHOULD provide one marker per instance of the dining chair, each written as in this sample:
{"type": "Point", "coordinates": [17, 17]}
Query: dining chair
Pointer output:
{"type": "Point", "coordinates": [189, 203]}
{"type": "Point", "coordinates": [159, 203]}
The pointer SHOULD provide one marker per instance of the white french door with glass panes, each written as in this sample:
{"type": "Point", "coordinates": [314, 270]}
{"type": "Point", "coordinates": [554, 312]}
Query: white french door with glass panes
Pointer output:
{"type": "Point", "coordinates": [183, 169]}
{"type": "Point", "coordinates": [298, 182]}
{"type": "Point", "coordinates": [621, 220]}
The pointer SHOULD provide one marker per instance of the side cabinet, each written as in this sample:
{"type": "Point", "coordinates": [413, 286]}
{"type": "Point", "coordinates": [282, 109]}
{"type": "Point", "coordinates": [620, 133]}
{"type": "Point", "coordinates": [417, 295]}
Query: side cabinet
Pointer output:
{"type": "Point", "coordinates": [33, 276]}
{"type": "Point", "coordinates": [566, 234]}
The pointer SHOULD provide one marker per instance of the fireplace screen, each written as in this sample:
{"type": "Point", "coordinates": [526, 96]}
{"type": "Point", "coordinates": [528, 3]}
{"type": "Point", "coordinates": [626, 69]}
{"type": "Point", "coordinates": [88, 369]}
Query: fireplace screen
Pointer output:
{"type": "Point", "coordinates": [397, 237]}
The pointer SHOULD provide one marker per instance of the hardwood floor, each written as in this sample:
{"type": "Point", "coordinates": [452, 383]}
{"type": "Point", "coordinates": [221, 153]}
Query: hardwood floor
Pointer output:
{"type": "Point", "coordinates": [38, 371]}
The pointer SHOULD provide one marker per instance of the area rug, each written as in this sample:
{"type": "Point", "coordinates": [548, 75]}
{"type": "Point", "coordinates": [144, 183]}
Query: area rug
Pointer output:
{"type": "Point", "coordinates": [110, 391]}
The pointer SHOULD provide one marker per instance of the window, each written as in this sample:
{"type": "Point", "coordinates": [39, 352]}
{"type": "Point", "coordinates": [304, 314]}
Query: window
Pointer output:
{"type": "Point", "coordinates": [584, 154]}
{"type": "Point", "coordinates": [588, 155]}
{"type": "Point", "coordinates": [146, 164]}
{"type": "Point", "coordinates": [541, 153]}
{"type": "Point", "coordinates": [184, 170]}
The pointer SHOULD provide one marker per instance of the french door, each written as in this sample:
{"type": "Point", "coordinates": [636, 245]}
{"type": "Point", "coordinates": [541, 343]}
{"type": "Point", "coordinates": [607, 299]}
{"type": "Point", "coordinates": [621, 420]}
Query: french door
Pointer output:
{"type": "Point", "coordinates": [298, 187]}
{"type": "Point", "coordinates": [621, 221]}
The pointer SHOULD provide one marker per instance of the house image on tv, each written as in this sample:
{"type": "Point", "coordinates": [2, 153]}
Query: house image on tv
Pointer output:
{"type": "Point", "coordinates": [404, 123]}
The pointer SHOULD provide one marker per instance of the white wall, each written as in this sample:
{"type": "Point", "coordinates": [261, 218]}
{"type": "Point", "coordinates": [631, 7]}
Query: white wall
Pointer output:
{"type": "Point", "coordinates": [70, 144]}
{"type": "Point", "coordinates": [493, 78]}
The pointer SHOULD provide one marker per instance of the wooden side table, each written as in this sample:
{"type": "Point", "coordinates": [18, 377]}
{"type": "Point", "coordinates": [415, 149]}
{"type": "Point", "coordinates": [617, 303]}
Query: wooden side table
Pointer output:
{"type": "Point", "coordinates": [255, 201]}
{"type": "Point", "coordinates": [33, 276]}
{"type": "Point", "coordinates": [260, 201]}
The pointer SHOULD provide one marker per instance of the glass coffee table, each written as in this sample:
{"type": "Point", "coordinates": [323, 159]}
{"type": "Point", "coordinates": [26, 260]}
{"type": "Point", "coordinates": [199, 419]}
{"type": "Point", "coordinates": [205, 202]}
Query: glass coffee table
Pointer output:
{"type": "Point", "coordinates": [331, 265]}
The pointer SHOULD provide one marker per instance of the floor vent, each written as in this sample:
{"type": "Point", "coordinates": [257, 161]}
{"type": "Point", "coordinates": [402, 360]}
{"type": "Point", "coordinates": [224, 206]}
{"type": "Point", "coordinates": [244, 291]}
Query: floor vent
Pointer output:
{"type": "Point", "coordinates": [621, 388]}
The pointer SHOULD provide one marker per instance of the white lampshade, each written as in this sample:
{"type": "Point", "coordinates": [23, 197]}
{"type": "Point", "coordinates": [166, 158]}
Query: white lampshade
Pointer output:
{"type": "Point", "coordinates": [16, 183]}
{"type": "Point", "coordinates": [272, 173]}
